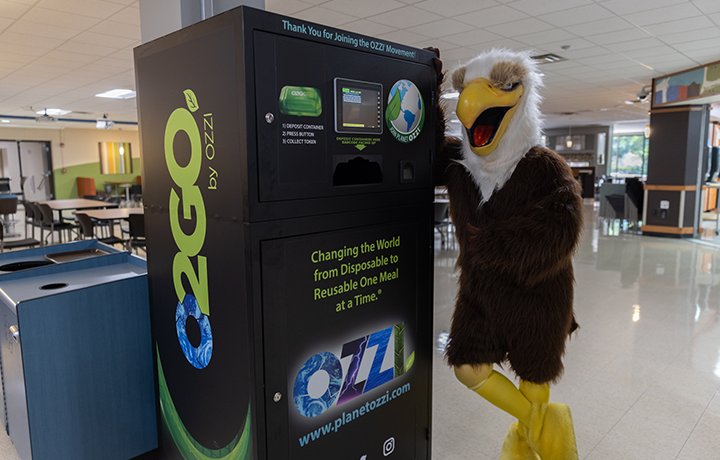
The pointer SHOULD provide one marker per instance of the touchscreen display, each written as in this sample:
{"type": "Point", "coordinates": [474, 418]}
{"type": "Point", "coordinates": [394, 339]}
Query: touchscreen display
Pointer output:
{"type": "Point", "coordinates": [358, 107]}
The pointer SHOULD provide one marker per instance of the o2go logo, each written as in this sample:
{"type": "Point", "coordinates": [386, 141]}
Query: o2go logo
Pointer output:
{"type": "Point", "coordinates": [195, 304]}
{"type": "Point", "coordinates": [320, 383]}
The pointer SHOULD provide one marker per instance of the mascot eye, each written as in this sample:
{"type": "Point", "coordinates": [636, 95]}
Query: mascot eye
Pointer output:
{"type": "Point", "coordinates": [509, 86]}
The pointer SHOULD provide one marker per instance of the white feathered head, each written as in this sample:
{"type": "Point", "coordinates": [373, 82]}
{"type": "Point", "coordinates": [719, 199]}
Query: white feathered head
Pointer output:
{"type": "Point", "coordinates": [499, 109]}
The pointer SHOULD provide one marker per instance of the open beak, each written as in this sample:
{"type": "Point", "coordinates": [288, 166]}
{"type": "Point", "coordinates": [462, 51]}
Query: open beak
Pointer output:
{"type": "Point", "coordinates": [485, 111]}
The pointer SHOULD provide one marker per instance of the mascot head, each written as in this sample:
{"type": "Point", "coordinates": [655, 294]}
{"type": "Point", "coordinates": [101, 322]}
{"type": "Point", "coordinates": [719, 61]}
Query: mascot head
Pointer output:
{"type": "Point", "coordinates": [499, 108]}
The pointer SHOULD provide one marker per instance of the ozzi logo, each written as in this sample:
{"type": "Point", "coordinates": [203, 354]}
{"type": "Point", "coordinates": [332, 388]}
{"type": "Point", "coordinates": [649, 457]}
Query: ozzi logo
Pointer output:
{"type": "Point", "coordinates": [195, 303]}
{"type": "Point", "coordinates": [298, 93]}
{"type": "Point", "coordinates": [321, 382]}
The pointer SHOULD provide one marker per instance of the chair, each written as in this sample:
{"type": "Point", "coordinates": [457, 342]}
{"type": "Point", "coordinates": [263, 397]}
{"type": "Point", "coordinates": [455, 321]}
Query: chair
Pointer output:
{"type": "Point", "coordinates": [86, 186]}
{"type": "Point", "coordinates": [29, 218]}
{"type": "Point", "coordinates": [136, 192]}
{"type": "Point", "coordinates": [8, 206]}
{"type": "Point", "coordinates": [87, 230]}
{"type": "Point", "coordinates": [137, 232]}
{"type": "Point", "coordinates": [49, 222]}
{"type": "Point", "coordinates": [14, 244]}
{"type": "Point", "coordinates": [442, 220]}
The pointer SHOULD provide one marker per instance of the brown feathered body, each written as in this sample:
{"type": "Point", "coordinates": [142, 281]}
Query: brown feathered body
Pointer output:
{"type": "Point", "coordinates": [515, 297]}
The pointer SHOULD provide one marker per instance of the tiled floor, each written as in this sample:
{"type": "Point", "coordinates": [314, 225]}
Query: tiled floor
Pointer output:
{"type": "Point", "coordinates": [642, 374]}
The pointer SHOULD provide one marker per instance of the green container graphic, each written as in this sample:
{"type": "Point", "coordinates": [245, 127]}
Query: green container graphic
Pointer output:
{"type": "Point", "coordinates": [300, 101]}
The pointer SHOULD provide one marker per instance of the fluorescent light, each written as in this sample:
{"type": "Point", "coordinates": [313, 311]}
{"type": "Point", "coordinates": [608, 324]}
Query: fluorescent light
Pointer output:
{"type": "Point", "coordinates": [5, 121]}
{"type": "Point", "coordinates": [117, 94]}
{"type": "Point", "coordinates": [53, 112]}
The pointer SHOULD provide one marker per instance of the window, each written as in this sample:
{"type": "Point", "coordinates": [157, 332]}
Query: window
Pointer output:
{"type": "Point", "coordinates": [629, 156]}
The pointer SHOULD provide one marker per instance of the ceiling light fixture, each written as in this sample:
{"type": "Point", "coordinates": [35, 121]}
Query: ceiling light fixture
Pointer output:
{"type": "Point", "coordinates": [5, 121]}
{"type": "Point", "coordinates": [548, 58]}
{"type": "Point", "coordinates": [53, 112]}
{"type": "Point", "coordinates": [117, 94]}
{"type": "Point", "coordinates": [569, 142]}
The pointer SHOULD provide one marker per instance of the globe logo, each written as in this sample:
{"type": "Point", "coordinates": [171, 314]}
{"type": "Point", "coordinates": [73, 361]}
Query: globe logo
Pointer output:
{"type": "Point", "coordinates": [405, 113]}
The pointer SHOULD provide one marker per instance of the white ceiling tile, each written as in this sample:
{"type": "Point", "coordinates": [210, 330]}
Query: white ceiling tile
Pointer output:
{"type": "Point", "coordinates": [70, 57]}
{"type": "Point", "coordinates": [4, 23]}
{"type": "Point", "coordinates": [127, 16]}
{"type": "Point", "coordinates": [472, 37]}
{"type": "Point", "coordinates": [14, 79]}
{"type": "Point", "coordinates": [15, 57]}
{"type": "Point", "coordinates": [324, 16]}
{"type": "Point", "coordinates": [42, 30]}
{"type": "Point", "coordinates": [666, 14]}
{"type": "Point", "coordinates": [286, 7]}
{"type": "Point", "coordinates": [366, 27]}
{"type": "Point", "coordinates": [623, 7]}
{"type": "Point", "coordinates": [702, 56]}
{"type": "Point", "coordinates": [316, 2]}
{"type": "Point", "coordinates": [682, 25]}
{"type": "Point", "coordinates": [506, 43]}
{"type": "Point", "coordinates": [715, 17]}
{"type": "Point", "coordinates": [662, 50]}
{"type": "Point", "coordinates": [92, 8]}
{"type": "Point", "coordinates": [52, 17]}
{"type": "Point", "coordinates": [618, 37]}
{"type": "Point", "coordinates": [599, 27]}
{"type": "Point", "coordinates": [456, 7]}
{"type": "Point", "coordinates": [572, 44]}
{"type": "Point", "coordinates": [30, 40]}
{"type": "Point", "coordinates": [92, 38]}
{"type": "Point", "coordinates": [457, 54]}
{"type": "Point", "coordinates": [404, 37]}
{"type": "Point", "coordinates": [116, 29]}
{"type": "Point", "coordinates": [582, 14]}
{"type": "Point", "coordinates": [84, 48]}
{"type": "Point", "coordinates": [634, 45]}
{"type": "Point", "coordinates": [527, 26]}
{"type": "Point", "coordinates": [14, 48]}
{"type": "Point", "coordinates": [441, 28]}
{"type": "Point", "coordinates": [536, 8]}
{"type": "Point", "coordinates": [46, 61]}
{"type": "Point", "coordinates": [699, 45]}
{"type": "Point", "coordinates": [601, 59]}
{"type": "Point", "coordinates": [405, 17]}
{"type": "Point", "coordinates": [691, 35]}
{"type": "Point", "coordinates": [437, 43]}
{"type": "Point", "coordinates": [547, 36]}
{"type": "Point", "coordinates": [12, 10]}
{"type": "Point", "coordinates": [707, 6]}
{"type": "Point", "coordinates": [492, 16]}
{"type": "Point", "coordinates": [364, 8]}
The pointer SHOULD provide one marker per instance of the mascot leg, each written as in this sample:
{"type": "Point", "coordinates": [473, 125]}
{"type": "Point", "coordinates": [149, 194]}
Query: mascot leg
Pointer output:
{"type": "Point", "coordinates": [501, 392]}
{"type": "Point", "coordinates": [558, 441]}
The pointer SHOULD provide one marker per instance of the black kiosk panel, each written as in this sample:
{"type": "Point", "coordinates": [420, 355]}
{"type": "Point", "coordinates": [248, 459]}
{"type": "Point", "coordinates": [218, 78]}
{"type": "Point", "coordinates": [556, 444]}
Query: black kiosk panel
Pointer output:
{"type": "Point", "coordinates": [288, 197]}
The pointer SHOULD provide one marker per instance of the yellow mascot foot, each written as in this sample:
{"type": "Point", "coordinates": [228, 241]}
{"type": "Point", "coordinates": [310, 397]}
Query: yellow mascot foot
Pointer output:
{"type": "Point", "coordinates": [551, 433]}
{"type": "Point", "coordinates": [515, 446]}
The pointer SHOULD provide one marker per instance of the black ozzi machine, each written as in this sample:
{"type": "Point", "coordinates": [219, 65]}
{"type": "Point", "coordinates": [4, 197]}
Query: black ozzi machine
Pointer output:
{"type": "Point", "coordinates": [288, 204]}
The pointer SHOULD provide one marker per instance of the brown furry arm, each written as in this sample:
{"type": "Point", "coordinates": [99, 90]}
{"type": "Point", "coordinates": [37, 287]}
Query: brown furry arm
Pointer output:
{"type": "Point", "coordinates": [537, 242]}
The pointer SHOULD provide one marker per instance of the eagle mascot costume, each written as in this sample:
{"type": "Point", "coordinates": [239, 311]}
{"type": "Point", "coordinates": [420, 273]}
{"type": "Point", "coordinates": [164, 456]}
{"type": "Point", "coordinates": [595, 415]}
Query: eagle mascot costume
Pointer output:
{"type": "Point", "coordinates": [517, 211]}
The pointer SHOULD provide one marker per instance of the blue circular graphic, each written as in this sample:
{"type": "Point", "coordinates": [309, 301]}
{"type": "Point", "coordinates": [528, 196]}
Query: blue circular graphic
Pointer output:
{"type": "Point", "coordinates": [200, 356]}
{"type": "Point", "coordinates": [405, 115]}
{"type": "Point", "coordinates": [306, 404]}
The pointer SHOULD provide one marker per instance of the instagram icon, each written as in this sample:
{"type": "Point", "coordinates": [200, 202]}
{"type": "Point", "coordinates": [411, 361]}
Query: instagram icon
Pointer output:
{"type": "Point", "coordinates": [389, 447]}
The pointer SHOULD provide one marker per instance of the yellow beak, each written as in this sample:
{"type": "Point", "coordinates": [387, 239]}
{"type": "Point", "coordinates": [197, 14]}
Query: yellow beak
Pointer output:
{"type": "Point", "coordinates": [485, 111]}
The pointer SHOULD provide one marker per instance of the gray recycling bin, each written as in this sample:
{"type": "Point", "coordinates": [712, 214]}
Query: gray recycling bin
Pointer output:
{"type": "Point", "coordinates": [14, 261]}
{"type": "Point", "coordinates": [77, 358]}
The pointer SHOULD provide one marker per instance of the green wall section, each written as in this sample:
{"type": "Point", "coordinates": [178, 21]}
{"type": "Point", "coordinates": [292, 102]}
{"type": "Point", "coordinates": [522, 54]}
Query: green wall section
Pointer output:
{"type": "Point", "coordinates": [66, 183]}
